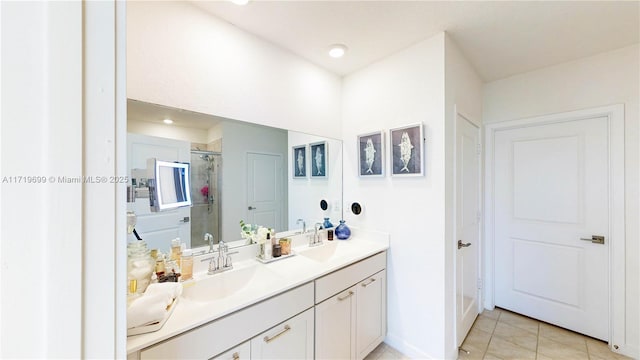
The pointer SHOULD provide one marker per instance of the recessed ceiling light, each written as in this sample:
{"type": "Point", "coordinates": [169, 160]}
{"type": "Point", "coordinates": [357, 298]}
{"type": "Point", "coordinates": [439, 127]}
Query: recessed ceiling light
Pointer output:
{"type": "Point", "coordinates": [337, 50]}
{"type": "Point", "coordinates": [240, 2]}
{"type": "Point", "coordinates": [167, 121]}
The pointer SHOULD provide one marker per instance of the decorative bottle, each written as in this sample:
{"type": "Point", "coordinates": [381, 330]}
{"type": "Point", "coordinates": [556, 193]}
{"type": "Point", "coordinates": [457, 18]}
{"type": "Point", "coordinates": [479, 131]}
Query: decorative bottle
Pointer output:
{"type": "Point", "coordinates": [327, 224]}
{"type": "Point", "coordinates": [186, 265]}
{"type": "Point", "coordinates": [342, 231]}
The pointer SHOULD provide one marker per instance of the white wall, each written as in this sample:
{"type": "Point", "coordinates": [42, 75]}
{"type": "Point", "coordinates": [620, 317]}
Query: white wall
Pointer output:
{"type": "Point", "coordinates": [59, 60]}
{"type": "Point", "coordinates": [402, 89]}
{"type": "Point", "coordinates": [463, 94]}
{"type": "Point", "coordinates": [603, 79]}
{"type": "Point", "coordinates": [305, 194]}
{"type": "Point", "coordinates": [180, 56]}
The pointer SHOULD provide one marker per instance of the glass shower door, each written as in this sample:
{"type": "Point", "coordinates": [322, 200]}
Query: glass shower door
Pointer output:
{"type": "Point", "coordinates": [205, 180]}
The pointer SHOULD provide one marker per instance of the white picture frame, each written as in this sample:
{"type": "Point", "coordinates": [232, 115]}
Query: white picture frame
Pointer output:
{"type": "Point", "coordinates": [371, 154]}
{"type": "Point", "coordinates": [299, 161]}
{"type": "Point", "coordinates": [318, 154]}
{"type": "Point", "coordinates": [406, 150]}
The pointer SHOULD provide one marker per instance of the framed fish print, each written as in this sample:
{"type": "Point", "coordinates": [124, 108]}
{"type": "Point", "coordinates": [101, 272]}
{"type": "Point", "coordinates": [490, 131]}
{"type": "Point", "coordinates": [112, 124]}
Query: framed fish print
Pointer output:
{"type": "Point", "coordinates": [318, 153]}
{"type": "Point", "coordinates": [299, 161]}
{"type": "Point", "coordinates": [371, 154]}
{"type": "Point", "coordinates": [407, 150]}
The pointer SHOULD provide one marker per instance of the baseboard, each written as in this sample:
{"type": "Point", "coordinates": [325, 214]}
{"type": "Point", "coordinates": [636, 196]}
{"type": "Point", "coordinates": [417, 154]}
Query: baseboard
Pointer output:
{"type": "Point", "coordinates": [406, 348]}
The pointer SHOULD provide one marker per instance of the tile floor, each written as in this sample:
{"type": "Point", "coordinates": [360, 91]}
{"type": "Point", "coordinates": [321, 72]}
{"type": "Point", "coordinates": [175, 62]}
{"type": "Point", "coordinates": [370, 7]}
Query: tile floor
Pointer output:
{"type": "Point", "coordinates": [501, 334]}
{"type": "Point", "coordinates": [385, 352]}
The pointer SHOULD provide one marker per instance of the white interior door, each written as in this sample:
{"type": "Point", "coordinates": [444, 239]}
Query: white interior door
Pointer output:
{"type": "Point", "coordinates": [157, 229]}
{"type": "Point", "coordinates": [551, 190]}
{"type": "Point", "coordinates": [467, 224]}
{"type": "Point", "coordinates": [265, 202]}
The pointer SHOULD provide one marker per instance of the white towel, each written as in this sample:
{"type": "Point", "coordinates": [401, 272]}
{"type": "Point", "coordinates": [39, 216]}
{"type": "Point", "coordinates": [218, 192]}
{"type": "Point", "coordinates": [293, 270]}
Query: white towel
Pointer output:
{"type": "Point", "coordinates": [147, 309]}
{"type": "Point", "coordinates": [173, 289]}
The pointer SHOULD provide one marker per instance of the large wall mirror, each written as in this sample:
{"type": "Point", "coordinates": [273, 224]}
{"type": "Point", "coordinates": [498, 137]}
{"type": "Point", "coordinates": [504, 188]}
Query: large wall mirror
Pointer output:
{"type": "Point", "coordinates": [239, 171]}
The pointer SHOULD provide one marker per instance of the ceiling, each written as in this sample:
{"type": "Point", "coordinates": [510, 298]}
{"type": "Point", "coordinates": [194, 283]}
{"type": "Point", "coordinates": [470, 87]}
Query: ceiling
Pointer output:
{"type": "Point", "coordinates": [153, 113]}
{"type": "Point", "coordinates": [499, 38]}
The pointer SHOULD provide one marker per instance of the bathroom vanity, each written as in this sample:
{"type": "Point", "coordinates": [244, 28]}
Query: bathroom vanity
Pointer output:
{"type": "Point", "coordinates": [327, 301]}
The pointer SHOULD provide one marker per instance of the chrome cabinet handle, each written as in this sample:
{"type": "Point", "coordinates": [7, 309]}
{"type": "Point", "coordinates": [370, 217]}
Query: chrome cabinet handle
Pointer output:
{"type": "Point", "coordinates": [369, 283]}
{"type": "Point", "coordinates": [346, 296]}
{"type": "Point", "coordinates": [251, 208]}
{"type": "Point", "coordinates": [461, 245]}
{"type": "Point", "coordinates": [269, 339]}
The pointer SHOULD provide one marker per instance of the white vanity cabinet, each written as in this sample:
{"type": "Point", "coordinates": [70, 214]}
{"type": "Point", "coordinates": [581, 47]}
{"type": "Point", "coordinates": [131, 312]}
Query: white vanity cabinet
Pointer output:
{"type": "Point", "coordinates": [216, 338]}
{"type": "Point", "coordinates": [351, 310]}
{"type": "Point", "coordinates": [292, 339]}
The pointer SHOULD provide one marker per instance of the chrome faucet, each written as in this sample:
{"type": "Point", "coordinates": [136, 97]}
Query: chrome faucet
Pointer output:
{"type": "Point", "coordinates": [304, 225]}
{"type": "Point", "coordinates": [316, 239]}
{"type": "Point", "coordinates": [222, 262]}
{"type": "Point", "coordinates": [209, 238]}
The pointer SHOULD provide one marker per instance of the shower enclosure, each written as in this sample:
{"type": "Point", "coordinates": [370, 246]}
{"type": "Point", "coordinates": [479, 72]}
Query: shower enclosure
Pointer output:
{"type": "Point", "coordinates": [206, 168]}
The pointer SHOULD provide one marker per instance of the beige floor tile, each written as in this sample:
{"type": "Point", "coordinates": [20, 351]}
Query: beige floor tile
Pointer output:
{"type": "Point", "coordinates": [472, 355]}
{"type": "Point", "coordinates": [491, 314]}
{"type": "Point", "coordinates": [491, 357]}
{"type": "Point", "coordinates": [600, 350]}
{"type": "Point", "coordinates": [557, 350]}
{"type": "Point", "coordinates": [519, 321]}
{"type": "Point", "coordinates": [391, 354]}
{"type": "Point", "coordinates": [516, 335]}
{"type": "Point", "coordinates": [543, 357]}
{"type": "Point", "coordinates": [503, 349]}
{"type": "Point", "coordinates": [563, 336]}
{"type": "Point", "coordinates": [477, 339]}
{"type": "Point", "coordinates": [485, 324]}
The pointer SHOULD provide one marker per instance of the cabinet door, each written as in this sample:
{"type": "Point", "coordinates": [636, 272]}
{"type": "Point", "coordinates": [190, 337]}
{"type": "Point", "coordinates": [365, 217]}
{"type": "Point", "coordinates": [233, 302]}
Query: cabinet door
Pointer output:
{"type": "Point", "coordinates": [240, 352]}
{"type": "Point", "coordinates": [292, 339]}
{"type": "Point", "coordinates": [370, 313]}
{"type": "Point", "coordinates": [335, 330]}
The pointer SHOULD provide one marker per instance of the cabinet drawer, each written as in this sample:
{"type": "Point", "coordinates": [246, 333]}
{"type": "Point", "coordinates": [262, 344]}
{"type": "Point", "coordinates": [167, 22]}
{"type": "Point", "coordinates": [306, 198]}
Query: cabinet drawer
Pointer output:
{"type": "Point", "coordinates": [240, 352]}
{"type": "Point", "coordinates": [292, 339]}
{"type": "Point", "coordinates": [224, 333]}
{"type": "Point", "coordinates": [339, 280]}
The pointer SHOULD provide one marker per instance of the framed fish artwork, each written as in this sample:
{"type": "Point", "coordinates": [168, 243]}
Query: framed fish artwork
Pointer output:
{"type": "Point", "coordinates": [318, 154]}
{"type": "Point", "coordinates": [371, 154]}
{"type": "Point", "coordinates": [407, 150]}
{"type": "Point", "coordinates": [299, 161]}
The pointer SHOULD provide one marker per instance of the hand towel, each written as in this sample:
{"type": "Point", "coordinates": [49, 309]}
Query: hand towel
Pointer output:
{"type": "Point", "coordinates": [147, 309]}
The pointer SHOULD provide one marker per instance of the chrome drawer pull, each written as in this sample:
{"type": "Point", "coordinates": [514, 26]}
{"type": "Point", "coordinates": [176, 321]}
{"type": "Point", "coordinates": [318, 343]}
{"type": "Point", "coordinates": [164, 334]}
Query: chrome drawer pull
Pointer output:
{"type": "Point", "coordinates": [346, 296]}
{"type": "Point", "coordinates": [369, 283]}
{"type": "Point", "coordinates": [269, 339]}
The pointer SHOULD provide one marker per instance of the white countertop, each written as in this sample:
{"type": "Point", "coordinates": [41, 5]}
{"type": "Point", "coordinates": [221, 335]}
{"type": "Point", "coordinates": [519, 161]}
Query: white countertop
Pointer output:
{"type": "Point", "coordinates": [284, 274]}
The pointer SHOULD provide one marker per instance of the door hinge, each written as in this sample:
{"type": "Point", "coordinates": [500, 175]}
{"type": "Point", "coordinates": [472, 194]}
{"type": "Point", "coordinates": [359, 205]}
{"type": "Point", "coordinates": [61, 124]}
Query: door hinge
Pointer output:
{"type": "Point", "coordinates": [480, 284]}
{"type": "Point", "coordinates": [478, 149]}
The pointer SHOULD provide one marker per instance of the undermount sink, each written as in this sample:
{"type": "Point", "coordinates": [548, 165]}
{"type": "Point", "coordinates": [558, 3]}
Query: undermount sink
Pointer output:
{"type": "Point", "coordinates": [222, 285]}
{"type": "Point", "coordinates": [321, 253]}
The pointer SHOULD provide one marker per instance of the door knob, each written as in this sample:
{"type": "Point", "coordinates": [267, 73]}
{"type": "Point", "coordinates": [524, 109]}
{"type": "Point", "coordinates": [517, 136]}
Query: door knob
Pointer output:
{"type": "Point", "coordinates": [596, 239]}
{"type": "Point", "coordinates": [251, 208]}
{"type": "Point", "coordinates": [184, 219]}
{"type": "Point", "coordinates": [461, 245]}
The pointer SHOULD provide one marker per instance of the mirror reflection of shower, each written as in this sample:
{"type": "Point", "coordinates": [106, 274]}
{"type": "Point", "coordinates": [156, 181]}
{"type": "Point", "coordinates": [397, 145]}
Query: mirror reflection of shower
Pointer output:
{"type": "Point", "coordinates": [206, 168]}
